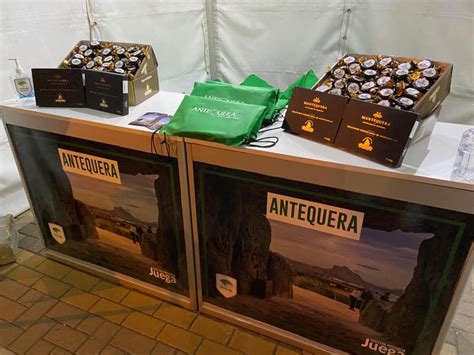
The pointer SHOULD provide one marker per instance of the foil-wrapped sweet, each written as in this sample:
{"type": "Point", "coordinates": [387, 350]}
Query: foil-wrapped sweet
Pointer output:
{"type": "Point", "coordinates": [104, 56]}
{"type": "Point", "coordinates": [383, 80]}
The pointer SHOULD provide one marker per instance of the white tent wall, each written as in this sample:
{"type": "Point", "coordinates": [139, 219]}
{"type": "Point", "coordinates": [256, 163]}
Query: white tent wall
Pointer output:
{"type": "Point", "coordinates": [176, 30]}
{"type": "Point", "coordinates": [277, 40]}
{"type": "Point", "coordinates": [280, 40]}
{"type": "Point", "coordinates": [39, 33]}
{"type": "Point", "coordinates": [12, 195]}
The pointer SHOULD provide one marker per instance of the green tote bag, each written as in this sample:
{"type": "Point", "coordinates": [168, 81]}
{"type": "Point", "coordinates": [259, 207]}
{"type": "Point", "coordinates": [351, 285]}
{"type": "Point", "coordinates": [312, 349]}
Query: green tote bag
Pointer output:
{"type": "Point", "coordinates": [216, 121]}
{"type": "Point", "coordinates": [307, 81]}
{"type": "Point", "coordinates": [239, 94]}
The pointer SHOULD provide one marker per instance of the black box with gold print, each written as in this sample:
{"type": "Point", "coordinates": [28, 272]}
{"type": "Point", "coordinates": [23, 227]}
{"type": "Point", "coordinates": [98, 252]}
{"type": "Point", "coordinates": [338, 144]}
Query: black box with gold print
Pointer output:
{"type": "Point", "coordinates": [107, 92]}
{"type": "Point", "coordinates": [59, 87]}
{"type": "Point", "coordinates": [314, 115]}
{"type": "Point", "coordinates": [376, 132]}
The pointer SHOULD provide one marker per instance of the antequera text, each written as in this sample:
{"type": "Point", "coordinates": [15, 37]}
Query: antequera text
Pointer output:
{"type": "Point", "coordinates": [308, 214]}
{"type": "Point", "coordinates": [89, 165]}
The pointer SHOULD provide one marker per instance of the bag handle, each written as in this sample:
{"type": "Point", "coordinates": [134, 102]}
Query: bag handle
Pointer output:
{"type": "Point", "coordinates": [268, 142]}
{"type": "Point", "coordinates": [164, 141]}
{"type": "Point", "coordinates": [270, 129]}
{"type": "Point", "coordinates": [275, 119]}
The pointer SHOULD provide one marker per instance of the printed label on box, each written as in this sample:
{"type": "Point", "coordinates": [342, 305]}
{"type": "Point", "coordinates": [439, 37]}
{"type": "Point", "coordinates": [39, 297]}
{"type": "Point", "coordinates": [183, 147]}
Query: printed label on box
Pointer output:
{"type": "Point", "coordinates": [377, 132]}
{"type": "Point", "coordinates": [314, 115]}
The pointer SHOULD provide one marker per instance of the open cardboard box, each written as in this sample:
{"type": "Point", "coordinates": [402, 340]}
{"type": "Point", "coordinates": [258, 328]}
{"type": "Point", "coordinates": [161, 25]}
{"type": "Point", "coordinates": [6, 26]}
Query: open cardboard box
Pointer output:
{"type": "Point", "coordinates": [145, 82]}
{"type": "Point", "coordinates": [102, 91]}
{"type": "Point", "coordinates": [376, 132]}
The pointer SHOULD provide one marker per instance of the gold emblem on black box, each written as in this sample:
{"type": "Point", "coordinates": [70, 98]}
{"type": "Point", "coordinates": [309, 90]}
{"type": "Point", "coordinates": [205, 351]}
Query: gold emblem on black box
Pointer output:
{"type": "Point", "coordinates": [308, 126]}
{"type": "Point", "coordinates": [103, 103]}
{"type": "Point", "coordinates": [366, 144]}
{"type": "Point", "coordinates": [60, 98]}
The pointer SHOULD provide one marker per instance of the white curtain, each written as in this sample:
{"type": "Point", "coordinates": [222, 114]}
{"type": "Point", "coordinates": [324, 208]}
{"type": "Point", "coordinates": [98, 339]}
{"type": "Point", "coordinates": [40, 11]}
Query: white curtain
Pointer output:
{"type": "Point", "coordinates": [175, 29]}
{"type": "Point", "coordinates": [40, 33]}
{"type": "Point", "coordinates": [280, 40]}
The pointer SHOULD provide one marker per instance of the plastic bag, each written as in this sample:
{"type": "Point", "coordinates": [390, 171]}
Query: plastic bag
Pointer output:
{"type": "Point", "coordinates": [8, 240]}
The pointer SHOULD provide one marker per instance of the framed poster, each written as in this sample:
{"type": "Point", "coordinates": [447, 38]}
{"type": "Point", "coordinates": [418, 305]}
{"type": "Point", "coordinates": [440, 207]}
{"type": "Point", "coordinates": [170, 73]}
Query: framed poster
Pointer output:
{"type": "Point", "coordinates": [110, 206]}
{"type": "Point", "coordinates": [354, 272]}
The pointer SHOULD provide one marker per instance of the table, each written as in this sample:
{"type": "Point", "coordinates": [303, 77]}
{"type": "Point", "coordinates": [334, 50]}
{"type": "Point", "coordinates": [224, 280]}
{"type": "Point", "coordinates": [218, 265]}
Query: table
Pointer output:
{"type": "Point", "coordinates": [104, 201]}
{"type": "Point", "coordinates": [301, 242]}
{"type": "Point", "coordinates": [329, 251]}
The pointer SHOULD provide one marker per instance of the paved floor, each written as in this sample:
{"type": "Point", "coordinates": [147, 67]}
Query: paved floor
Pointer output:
{"type": "Point", "coordinates": [50, 308]}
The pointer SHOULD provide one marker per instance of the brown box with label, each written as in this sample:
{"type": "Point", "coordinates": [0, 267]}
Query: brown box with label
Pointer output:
{"type": "Point", "coordinates": [145, 82]}
{"type": "Point", "coordinates": [376, 132]}
{"type": "Point", "coordinates": [313, 115]}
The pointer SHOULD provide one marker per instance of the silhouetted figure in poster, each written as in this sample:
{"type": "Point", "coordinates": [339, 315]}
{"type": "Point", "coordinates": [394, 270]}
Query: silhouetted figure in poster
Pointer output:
{"type": "Point", "coordinates": [355, 298]}
{"type": "Point", "coordinates": [140, 234]}
{"type": "Point", "coordinates": [134, 237]}
{"type": "Point", "coordinates": [366, 296]}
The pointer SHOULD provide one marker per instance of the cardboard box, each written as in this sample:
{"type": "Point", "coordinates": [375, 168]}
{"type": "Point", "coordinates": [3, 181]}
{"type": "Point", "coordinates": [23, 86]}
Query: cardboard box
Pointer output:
{"type": "Point", "coordinates": [143, 87]}
{"type": "Point", "coordinates": [106, 92]}
{"type": "Point", "coordinates": [59, 87]}
{"type": "Point", "coordinates": [145, 82]}
{"type": "Point", "coordinates": [49, 83]}
{"type": "Point", "coordinates": [376, 132]}
{"type": "Point", "coordinates": [425, 127]}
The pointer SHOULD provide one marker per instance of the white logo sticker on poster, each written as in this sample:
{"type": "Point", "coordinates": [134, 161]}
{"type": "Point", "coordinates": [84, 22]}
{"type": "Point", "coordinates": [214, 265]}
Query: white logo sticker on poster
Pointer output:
{"type": "Point", "coordinates": [90, 165]}
{"type": "Point", "coordinates": [325, 218]}
{"type": "Point", "coordinates": [226, 285]}
{"type": "Point", "coordinates": [57, 232]}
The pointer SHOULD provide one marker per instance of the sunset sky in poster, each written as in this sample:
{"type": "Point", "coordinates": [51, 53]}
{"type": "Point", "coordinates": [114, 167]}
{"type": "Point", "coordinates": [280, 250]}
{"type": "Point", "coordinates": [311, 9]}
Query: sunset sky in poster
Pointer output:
{"type": "Point", "coordinates": [136, 194]}
{"type": "Point", "coordinates": [383, 258]}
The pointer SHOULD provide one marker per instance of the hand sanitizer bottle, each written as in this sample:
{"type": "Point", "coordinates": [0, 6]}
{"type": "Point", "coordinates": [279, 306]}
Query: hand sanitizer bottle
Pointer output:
{"type": "Point", "coordinates": [22, 85]}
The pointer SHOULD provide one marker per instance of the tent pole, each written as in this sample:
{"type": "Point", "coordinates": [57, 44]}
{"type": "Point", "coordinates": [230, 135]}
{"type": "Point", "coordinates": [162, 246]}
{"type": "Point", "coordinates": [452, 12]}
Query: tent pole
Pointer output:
{"type": "Point", "coordinates": [211, 37]}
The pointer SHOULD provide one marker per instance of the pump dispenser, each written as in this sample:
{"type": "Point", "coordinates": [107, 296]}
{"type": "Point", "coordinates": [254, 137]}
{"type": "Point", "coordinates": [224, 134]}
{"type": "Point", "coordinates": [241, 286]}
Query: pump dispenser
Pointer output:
{"type": "Point", "coordinates": [22, 84]}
